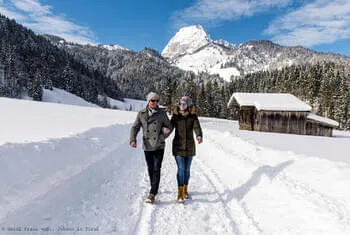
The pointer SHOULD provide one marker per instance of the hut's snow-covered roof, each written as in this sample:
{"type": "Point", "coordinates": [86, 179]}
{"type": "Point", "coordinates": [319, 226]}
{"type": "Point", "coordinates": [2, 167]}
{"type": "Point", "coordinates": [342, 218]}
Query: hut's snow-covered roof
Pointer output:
{"type": "Point", "coordinates": [324, 120]}
{"type": "Point", "coordinates": [270, 101]}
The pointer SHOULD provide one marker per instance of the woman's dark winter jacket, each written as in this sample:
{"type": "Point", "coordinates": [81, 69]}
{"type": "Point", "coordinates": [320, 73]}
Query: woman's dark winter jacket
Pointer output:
{"type": "Point", "coordinates": [184, 125]}
{"type": "Point", "coordinates": [153, 137]}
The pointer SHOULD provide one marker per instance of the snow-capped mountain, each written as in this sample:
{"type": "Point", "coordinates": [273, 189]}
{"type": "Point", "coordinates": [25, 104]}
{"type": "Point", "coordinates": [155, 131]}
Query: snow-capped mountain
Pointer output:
{"type": "Point", "coordinates": [192, 49]}
{"type": "Point", "coordinates": [187, 41]}
{"type": "Point", "coordinates": [58, 41]}
{"type": "Point", "coordinates": [113, 47]}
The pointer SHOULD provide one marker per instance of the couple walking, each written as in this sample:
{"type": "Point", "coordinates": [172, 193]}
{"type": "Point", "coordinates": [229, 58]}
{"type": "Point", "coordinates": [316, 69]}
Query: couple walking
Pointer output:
{"type": "Point", "coordinates": [156, 126]}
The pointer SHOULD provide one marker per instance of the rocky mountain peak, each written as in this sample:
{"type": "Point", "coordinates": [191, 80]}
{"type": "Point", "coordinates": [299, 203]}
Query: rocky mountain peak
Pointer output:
{"type": "Point", "coordinates": [186, 41]}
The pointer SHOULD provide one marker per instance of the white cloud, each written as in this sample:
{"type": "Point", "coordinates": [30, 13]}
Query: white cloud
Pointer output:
{"type": "Point", "coordinates": [12, 14]}
{"type": "Point", "coordinates": [315, 23]}
{"type": "Point", "coordinates": [32, 7]}
{"type": "Point", "coordinates": [65, 29]}
{"type": "Point", "coordinates": [204, 11]}
{"type": "Point", "coordinates": [40, 18]}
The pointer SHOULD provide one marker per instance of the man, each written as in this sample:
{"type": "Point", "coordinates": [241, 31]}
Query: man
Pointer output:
{"type": "Point", "coordinates": [156, 127]}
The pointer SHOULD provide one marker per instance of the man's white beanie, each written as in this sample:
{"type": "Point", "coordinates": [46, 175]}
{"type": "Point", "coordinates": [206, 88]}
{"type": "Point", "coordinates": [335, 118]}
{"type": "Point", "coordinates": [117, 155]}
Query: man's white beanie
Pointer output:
{"type": "Point", "coordinates": [151, 95]}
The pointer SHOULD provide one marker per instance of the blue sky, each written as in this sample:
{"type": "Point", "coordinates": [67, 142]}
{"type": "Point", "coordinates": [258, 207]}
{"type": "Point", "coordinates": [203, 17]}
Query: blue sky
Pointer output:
{"type": "Point", "coordinates": [321, 25]}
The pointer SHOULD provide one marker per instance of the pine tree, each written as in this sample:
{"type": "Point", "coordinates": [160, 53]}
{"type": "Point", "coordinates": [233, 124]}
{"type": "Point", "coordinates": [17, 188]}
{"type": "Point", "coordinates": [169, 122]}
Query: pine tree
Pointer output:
{"type": "Point", "coordinates": [191, 91]}
{"type": "Point", "coordinates": [168, 92]}
{"type": "Point", "coordinates": [209, 99]}
{"type": "Point", "coordinates": [217, 100]}
{"type": "Point", "coordinates": [342, 103]}
{"type": "Point", "coordinates": [68, 78]}
{"type": "Point", "coordinates": [34, 87]}
{"type": "Point", "coordinates": [202, 102]}
{"type": "Point", "coordinates": [223, 110]}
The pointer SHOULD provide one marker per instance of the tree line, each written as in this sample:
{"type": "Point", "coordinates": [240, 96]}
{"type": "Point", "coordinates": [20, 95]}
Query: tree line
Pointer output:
{"type": "Point", "coordinates": [32, 63]}
{"type": "Point", "coordinates": [325, 86]}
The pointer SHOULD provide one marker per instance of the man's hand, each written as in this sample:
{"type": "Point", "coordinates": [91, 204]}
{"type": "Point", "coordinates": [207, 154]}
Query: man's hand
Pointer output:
{"type": "Point", "coordinates": [133, 144]}
{"type": "Point", "coordinates": [199, 140]}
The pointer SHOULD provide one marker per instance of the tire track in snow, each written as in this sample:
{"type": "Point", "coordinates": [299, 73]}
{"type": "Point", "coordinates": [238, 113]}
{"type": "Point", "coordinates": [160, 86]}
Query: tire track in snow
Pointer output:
{"type": "Point", "coordinates": [152, 217]}
{"type": "Point", "coordinates": [215, 181]}
{"type": "Point", "coordinates": [200, 215]}
{"type": "Point", "coordinates": [294, 186]}
{"type": "Point", "coordinates": [57, 179]}
{"type": "Point", "coordinates": [145, 217]}
{"type": "Point", "coordinates": [95, 194]}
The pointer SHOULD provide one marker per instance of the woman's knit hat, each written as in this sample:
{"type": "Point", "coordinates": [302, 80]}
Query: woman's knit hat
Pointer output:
{"type": "Point", "coordinates": [187, 100]}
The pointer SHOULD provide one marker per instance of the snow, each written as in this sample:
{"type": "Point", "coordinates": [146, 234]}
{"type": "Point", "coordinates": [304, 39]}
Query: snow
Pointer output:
{"type": "Point", "coordinates": [64, 179]}
{"type": "Point", "coordinates": [63, 97]}
{"type": "Point", "coordinates": [270, 101]}
{"type": "Point", "coordinates": [201, 61]}
{"type": "Point", "coordinates": [135, 105]}
{"type": "Point", "coordinates": [114, 47]}
{"type": "Point", "coordinates": [128, 104]}
{"type": "Point", "coordinates": [225, 73]}
{"type": "Point", "coordinates": [192, 49]}
{"type": "Point", "coordinates": [322, 119]}
{"type": "Point", "coordinates": [187, 40]}
{"type": "Point", "coordinates": [28, 121]}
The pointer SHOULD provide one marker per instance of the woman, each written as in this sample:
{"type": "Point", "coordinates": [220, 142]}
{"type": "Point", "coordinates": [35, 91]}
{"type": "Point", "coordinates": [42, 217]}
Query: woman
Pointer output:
{"type": "Point", "coordinates": [184, 121]}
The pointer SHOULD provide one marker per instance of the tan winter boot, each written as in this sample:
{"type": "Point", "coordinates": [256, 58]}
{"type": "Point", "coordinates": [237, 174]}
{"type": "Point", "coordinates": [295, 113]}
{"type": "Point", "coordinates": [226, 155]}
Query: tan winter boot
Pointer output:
{"type": "Point", "coordinates": [186, 195]}
{"type": "Point", "coordinates": [180, 194]}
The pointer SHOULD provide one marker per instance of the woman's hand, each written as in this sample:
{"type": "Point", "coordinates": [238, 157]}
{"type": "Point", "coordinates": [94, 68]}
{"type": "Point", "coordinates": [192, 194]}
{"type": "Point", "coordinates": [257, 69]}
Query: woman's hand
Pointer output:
{"type": "Point", "coordinates": [166, 131]}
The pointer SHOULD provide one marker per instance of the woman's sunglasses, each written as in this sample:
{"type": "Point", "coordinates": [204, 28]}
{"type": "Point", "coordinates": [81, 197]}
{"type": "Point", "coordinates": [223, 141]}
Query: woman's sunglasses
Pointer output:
{"type": "Point", "coordinates": [153, 101]}
{"type": "Point", "coordinates": [182, 103]}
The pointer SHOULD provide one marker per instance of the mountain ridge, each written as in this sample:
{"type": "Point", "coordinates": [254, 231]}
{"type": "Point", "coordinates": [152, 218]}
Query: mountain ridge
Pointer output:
{"type": "Point", "coordinates": [216, 56]}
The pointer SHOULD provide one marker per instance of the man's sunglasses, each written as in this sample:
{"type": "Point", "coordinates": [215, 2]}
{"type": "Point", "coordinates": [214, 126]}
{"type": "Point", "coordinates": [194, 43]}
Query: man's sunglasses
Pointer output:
{"type": "Point", "coordinates": [182, 103]}
{"type": "Point", "coordinates": [153, 101]}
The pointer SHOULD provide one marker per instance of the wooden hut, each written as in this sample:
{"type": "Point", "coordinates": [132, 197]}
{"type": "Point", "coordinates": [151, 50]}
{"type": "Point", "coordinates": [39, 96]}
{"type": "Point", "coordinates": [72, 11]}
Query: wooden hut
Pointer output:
{"type": "Point", "coordinates": [317, 125]}
{"type": "Point", "coordinates": [277, 112]}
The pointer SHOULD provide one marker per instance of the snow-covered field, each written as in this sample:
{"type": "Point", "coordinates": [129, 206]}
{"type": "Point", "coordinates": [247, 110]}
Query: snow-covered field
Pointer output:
{"type": "Point", "coordinates": [68, 170]}
{"type": "Point", "coordinates": [60, 96]}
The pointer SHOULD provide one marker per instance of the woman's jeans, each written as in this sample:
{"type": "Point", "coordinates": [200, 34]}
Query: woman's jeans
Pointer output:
{"type": "Point", "coordinates": [183, 169]}
{"type": "Point", "coordinates": [154, 164]}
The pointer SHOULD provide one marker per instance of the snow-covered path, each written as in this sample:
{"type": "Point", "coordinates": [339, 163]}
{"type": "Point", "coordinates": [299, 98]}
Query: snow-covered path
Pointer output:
{"type": "Point", "coordinates": [93, 181]}
{"type": "Point", "coordinates": [239, 188]}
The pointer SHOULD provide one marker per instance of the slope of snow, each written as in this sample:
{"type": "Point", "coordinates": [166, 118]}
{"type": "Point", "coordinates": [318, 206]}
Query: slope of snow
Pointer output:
{"type": "Point", "coordinates": [135, 105]}
{"type": "Point", "coordinates": [128, 104]}
{"type": "Point", "coordinates": [63, 97]}
{"type": "Point", "coordinates": [114, 47]}
{"type": "Point", "coordinates": [242, 182]}
{"type": "Point", "coordinates": [203, 60]}
{"type": "Point", "coordinates": [29, 121]}
{"type": "Point", "coordinates": [225, 73]}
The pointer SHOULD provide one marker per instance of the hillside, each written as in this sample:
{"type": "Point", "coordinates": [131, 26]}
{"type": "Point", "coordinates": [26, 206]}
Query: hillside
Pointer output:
{"type": "Point", "coordinates": [32, 63]}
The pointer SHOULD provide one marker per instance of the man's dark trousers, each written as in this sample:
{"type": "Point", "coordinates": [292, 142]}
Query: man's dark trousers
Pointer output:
{"type": "Point", "coordinates": [154, 161]}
